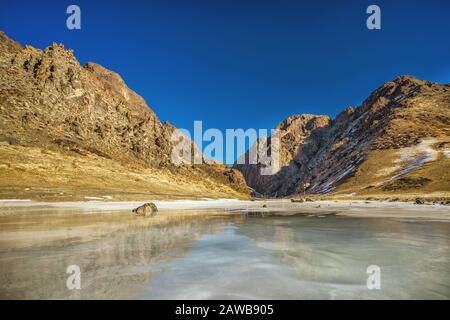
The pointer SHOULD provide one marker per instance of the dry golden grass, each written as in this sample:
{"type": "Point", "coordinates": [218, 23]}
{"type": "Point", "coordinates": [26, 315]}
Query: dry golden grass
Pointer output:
{"type": "Point", "coordinates": [374, 178]}
{"type": "Point", "coordinates": [42, 174]}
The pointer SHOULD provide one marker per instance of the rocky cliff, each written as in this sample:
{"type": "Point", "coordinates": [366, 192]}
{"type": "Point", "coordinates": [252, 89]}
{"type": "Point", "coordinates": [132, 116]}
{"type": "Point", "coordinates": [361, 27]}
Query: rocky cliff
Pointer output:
{"type": "Point", "coordinates": [397, 140]}
{"type": "Point", "coordinates": [49, 101]}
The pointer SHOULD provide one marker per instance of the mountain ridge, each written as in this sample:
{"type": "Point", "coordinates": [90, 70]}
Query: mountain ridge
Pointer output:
{"type": "Point", "coordinates": [400, 114]}
{"type": "Point", "coordinates": [68, 131]}
{"type": "Point", "coordinates": [48, 100]}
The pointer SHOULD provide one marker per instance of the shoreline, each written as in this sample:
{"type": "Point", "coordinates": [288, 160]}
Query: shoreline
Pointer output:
{"type": "Point", "coordinates": [319, 208]}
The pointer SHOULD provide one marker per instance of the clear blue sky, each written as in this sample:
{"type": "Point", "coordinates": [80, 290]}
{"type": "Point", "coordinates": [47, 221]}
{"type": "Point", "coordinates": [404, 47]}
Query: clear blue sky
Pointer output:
{"type": "Point", "coordinates": [245, 64]}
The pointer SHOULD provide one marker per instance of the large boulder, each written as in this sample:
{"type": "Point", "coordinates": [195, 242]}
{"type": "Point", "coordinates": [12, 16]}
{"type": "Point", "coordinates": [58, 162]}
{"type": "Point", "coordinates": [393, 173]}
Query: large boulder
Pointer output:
{"type": "Point", "coordinates": [146, 210]}
{"type": "Point", "coordinates": [420, 201]}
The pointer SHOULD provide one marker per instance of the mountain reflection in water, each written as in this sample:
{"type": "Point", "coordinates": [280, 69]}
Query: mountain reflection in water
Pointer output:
{"type": "Point", "coordinates": [212, 255]}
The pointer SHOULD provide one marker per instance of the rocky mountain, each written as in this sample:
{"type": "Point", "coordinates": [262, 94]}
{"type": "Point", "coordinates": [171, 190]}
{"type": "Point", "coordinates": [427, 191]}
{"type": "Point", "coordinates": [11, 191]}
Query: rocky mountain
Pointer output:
{"type": "Point", "coordinates": [396, 141]}
{"type": "Point", "coordinates": [84, 120]}
{"type": "Point", "coordinates": [294, 131]}
{"type": "Point", "coordinates": [69, 131]}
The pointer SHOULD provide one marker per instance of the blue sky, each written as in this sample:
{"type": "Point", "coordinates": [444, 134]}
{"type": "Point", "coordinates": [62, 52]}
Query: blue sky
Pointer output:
{"type": "Point", "coordinates": [245, 64]}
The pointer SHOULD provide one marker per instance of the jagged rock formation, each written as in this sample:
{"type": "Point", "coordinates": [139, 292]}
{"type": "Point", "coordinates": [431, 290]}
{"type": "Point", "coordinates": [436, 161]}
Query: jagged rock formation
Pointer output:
{"type": "Point", "coordinates": [294, 131]}
{"type": "Point", "coordinates": [48, 100]}
{"type": "Point", "coordinates": [364, 148]}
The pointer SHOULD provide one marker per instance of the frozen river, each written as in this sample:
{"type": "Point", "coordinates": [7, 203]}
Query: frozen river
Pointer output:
{"type": "Point", "coordinates": [215, 254]}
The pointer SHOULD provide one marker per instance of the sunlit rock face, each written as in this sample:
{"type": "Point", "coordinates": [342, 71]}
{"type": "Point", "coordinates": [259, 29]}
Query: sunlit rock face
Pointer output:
{"type": "Point", "coordinates": [48, 100]}
{"type": "Point", "coordinates": [318, 154]}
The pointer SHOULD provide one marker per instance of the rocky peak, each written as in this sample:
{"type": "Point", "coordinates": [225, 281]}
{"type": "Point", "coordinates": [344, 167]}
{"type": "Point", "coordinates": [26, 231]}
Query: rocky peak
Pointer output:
{"type": "Point", "coordinates": [345, 115]}
{"type": "Point", "coordinates": [49, 100]}
{"type": "Point", "coordinates": [391, 92]}
{"type": "Point", "coordinates": [55, 67]}
{"type": "Point", "coordinates": [294, 131]}
{"type": "Point", "coordinates": [113, 83]}
{"type": "Point", "coordinates": [303, 122]}
{"type": "Point", "coordinates": [408, 81]}
{"type": "Point", "coordinates": [321, 153]}
{"type": "Point", "coordinates": [7, 44]}
{"type": "Point", "coordinates": [113, 79]}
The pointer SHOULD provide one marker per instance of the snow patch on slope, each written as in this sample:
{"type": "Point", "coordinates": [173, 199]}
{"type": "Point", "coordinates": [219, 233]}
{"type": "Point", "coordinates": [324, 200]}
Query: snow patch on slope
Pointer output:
{"type": "Point", "coordinates": [412, 153]}
{"type": "Point", "coordinates": [414, 157]}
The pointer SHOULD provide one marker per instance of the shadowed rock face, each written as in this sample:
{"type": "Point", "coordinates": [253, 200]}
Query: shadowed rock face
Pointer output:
{"type": "Point", "coordinates": [318, 154]}
{"type": "Point", "coordinates": [293, 133]}
{"type": "Point", "coordinates": [47, 99]}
